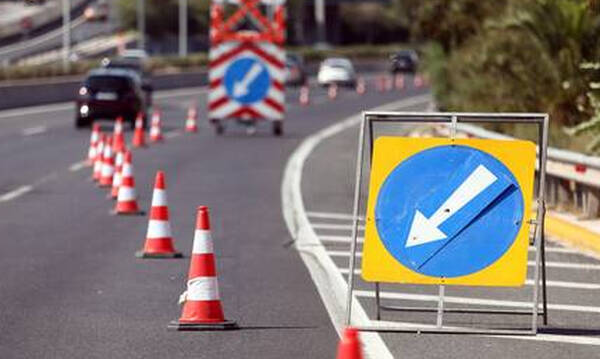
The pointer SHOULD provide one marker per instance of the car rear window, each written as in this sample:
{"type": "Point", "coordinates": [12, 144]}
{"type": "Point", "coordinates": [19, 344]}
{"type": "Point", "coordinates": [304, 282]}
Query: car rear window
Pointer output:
{"type": "Point", "coordinates": [112, 83]}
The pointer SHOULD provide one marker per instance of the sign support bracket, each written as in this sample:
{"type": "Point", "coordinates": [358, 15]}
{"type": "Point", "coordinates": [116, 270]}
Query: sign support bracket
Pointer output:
{"type": "Point", "coordinates": [542, 122]}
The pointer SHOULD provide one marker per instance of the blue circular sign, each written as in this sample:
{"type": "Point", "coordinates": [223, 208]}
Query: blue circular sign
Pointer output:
{"type": "Point", "coordinates": [449, 211]}
{"type": "Point", "coordinates": [247, 80]}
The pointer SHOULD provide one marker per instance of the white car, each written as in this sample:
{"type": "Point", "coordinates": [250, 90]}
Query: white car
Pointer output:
{"type": "Point", "coordinates": [336, 70]}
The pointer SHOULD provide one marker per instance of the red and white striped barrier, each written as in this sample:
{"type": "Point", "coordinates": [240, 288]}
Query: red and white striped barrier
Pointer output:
{"type": "Point", "coordinates": [127, 198]}
{"type": "Point", "coordinates": [202, 308]}
{"type": "Point", "coordinates": [159, 241]}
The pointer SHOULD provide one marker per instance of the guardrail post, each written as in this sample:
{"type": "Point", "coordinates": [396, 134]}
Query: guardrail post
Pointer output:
{"type": "Point", "coordinates": [551, 191]}
{"type": "Point", "coordinates": [592, 203]}
{"type": "Point", "coordinates": [563, 195]}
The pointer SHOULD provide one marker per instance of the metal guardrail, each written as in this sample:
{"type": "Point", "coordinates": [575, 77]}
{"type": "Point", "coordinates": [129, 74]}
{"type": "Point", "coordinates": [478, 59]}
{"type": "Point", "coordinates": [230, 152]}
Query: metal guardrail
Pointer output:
{"type": "Point", "coordinates": [573, 178]}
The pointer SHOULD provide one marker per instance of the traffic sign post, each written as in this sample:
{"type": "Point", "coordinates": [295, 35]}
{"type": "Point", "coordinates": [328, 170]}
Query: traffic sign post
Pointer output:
{"type": "Point", "coordinates": [246, 68]}
{"type": "Point", "coordinates": [450, 211]}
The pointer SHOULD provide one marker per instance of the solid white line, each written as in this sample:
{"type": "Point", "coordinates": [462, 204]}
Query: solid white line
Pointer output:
{"type": "Point", "coordinates": [329, 215]}
{"type": "Point", "coordinates": [63, 106]}
{"type": "Point", "coordinates": [568, 265]}
{"type": "Point", "coordinates": [339, 239]}
{"type": "Point", "coordinates": [567, 339]}
{"type": "Point", "coordinates": [550, 264]}
{"type": "Point", "coordinates": [476, 301]}
{"type": "Point", "coordinates": [15, 193]}
{"type": "Point", "coordinates": [336, 226]}
{"type": "Point", "coordinates": [77, 166]}
{"type": "Point", "coordinates": [34, 130]}
{"type": "Point", "coordinates": [172, 134]}
{"type": "Point", "coordinates": [329, 282]}
{"type": "Point", "coordinates": [549, 283]}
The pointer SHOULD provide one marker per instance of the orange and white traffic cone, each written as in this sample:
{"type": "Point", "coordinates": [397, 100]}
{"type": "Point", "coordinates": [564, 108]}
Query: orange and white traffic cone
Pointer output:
{"type": "Point", "coordinates": [349, 347]}
{"type": "Point", "coordinates": [108, 165]}
{"type": "Point", "coordinates": [332, 91]}
{"type": "Point", "coordinates": [127, 197]}
{"type": "Point", "coordinates": [360, 86]}
{"type": "Point", "coordinates": [159, 243]}
{"type": "Point", "coordinates": [118, 137]}
{"type": "Point", "coordinates": [418, 81]}
{"type": "Point", "coordinates": [114, 193]}
{"type": "Point", "coordinates": [389, 83]}
{"type": "Point", "coordinates": [202, 308]}
{"type": "Point", "coordinates": [381, 84]}
{"type": "Point", "coordinates": [304, 95]}
{"type": "Point", "coordinates": [139, 135]}
{"type": "Point", "coordinates": [190, 122]}
{"type": "Point", "coordinates": [399, 81]}
{"type": "Point", "coordinates": [94, 137]}
{"type": "Point", "coordinates": [155, 130]}
{"type": "Point", "coordinates": [98, 161]}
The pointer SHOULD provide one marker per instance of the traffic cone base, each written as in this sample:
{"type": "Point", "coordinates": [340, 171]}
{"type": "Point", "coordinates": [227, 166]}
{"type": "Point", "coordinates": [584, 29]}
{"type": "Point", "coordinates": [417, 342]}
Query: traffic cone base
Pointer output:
{"type": "Point", "coordinates": [182, 326]}
{"type": "Point", "coordinates": [349, 346]}
{"type": "Point", "coordinates": [143, 254]}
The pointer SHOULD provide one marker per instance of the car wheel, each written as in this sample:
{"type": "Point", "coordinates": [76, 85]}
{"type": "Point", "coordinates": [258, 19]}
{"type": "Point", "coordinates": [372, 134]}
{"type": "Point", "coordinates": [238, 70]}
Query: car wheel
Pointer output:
{"type": "Point", "coordinates": [81, 122]}
{"type": "Point", "coordinates": [219, 128]}
{"type": "Point", "coordinates": [277, 128]}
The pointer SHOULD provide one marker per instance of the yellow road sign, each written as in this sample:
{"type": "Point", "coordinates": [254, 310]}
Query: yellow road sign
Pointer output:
{"type": "Point", "coordinates": [443, 211]}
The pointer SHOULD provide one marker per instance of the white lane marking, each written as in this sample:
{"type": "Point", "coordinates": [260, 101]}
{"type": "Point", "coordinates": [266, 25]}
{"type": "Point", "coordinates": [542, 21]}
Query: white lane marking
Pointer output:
{"type": "Point", "coordinates": [172, 134]}
{"type": "Point", "coordinates": [550, 264]}
{"type": "Point", "coordinates": [34, 130]}
{"type": "Point", "coordinates": [567, 339]}
{"type": "Point", "coordinates": [529, 282]}
{"type": "Point", "coordinates": [15, 193]}
{"type": "Point", "coordinates": [63, 106]}
{"type": "Point", "coordinates": [77, 166]}
{"type": "Point", "coordinates": [25, 111]}
{"type": "Point", "coordinates": [201, 90]}
{"type": "Point", "coordinates": [568, 265]}
{"type": "Point", "coordinates": [476, 301]}
{"type": "Point", "coordinates": [339, 239]}
{"type": "Point", "coordinates": [330, 215]}
{"type": "Point", "coordinates": [337, 226]}
{"type": "Point", "coordinates": [329, 282]}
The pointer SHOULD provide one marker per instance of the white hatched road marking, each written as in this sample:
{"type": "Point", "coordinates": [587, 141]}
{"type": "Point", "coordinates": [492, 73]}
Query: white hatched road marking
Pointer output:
{"type": "Point", "coordinates": [15, 193]}
{"type": "Point", "coordinates": [77, 166]}
{"type": "Point", "coordinates": [34, 130]}
{"type": "Point", "coordinates": [549, 283]}
{"type": "Point", "coordinates": [476, 301]}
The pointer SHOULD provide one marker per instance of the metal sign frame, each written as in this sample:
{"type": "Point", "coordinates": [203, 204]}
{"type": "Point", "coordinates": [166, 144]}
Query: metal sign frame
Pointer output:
{"type": "Point", "coordinates": [541, 120]}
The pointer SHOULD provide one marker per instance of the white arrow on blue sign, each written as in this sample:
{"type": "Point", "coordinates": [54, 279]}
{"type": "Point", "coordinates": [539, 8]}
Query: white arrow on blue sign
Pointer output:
{"type": "Point", "coordinates": [449, 211]}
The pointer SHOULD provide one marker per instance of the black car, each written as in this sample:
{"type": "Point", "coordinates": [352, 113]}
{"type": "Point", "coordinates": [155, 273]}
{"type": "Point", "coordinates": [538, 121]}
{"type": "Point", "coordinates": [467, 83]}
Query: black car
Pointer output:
{"type": "Point", "coordinates": [404, 61]}
{"type": "Point", "coordinates": [137, 66]}
{"type": "Point", "coordinates": [106, 94]}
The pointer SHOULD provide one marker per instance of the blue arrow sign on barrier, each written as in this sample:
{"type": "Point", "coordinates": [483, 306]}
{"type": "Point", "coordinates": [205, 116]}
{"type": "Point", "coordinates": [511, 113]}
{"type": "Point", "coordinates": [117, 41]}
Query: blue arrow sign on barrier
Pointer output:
{"type": "Point", "coordinates": [449, 211]}
{"type": "Point", "coordinates": [247, 80]}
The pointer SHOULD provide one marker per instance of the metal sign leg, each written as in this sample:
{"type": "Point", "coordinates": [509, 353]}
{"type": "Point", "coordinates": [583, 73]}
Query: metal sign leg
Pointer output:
{"type": "Point", "coordinates": [377, 302]}
{"type": "Point", "coordinates": [440, 311]}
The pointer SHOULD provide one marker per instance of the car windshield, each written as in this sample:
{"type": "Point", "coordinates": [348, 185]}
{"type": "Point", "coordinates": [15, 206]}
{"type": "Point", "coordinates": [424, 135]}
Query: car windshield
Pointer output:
{"type": "Point", "coordinates": [341, 63]}
{"type": "Point", "coordinates": [108, 83]}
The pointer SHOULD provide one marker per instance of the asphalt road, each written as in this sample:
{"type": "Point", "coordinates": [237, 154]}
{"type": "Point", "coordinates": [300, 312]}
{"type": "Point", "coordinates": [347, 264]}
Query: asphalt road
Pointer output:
{"type": "Point", "coordinates": [573, 282]}
{"type": "Point", "coordinates": [70, 285]}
